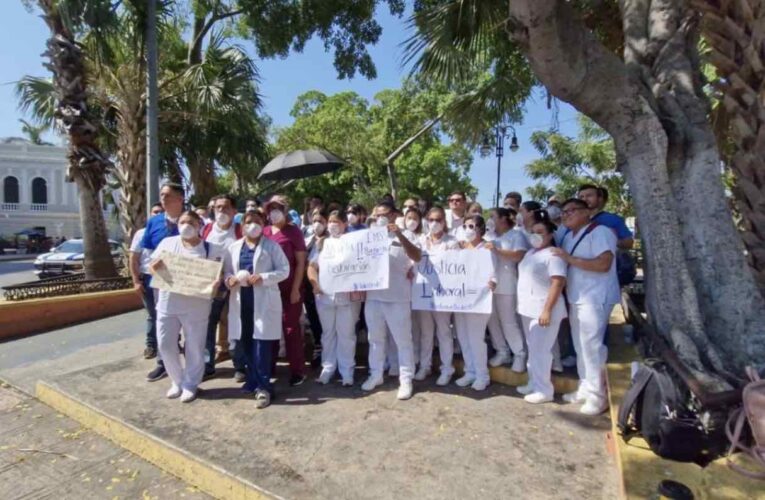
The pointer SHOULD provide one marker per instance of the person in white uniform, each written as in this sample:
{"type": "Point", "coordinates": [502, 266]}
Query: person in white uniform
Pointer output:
{"type": "Point", "coordinates": [176, 311]}
{"type": "Point", "coordinates": [253, 267]}
{"type": "Point", "coordinates": [438, 240]}
{"type": "Point", "coordinates": [541, 278]}
{"type": "Point", "coordinates": [471, 327]}
{"type": "Point", "coordinates": [392, 307]}
{"type": "Point", "coordinates": [593, 288]}
{"type": "Point", "coordinates": [504, 326]}
{"type": "Point", "coordinates": [338, 312]}
{"type": "Point", "coordinates": [455, 214]}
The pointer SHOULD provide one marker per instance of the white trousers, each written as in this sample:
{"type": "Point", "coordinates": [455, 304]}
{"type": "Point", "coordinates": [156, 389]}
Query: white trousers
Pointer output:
{"type": "Point", "coordinates": [435, 322]}
{"type": "Point", "coordinates": [541, 341]}
{"type": "Point", "coordinates": [471, 331]}
{"type": "Point", "coordinates": [396, 316]}
{"type": "Point", "coordinates": [588, 327]}
{"type": "Point", "coordinates": [504, 325]}
{"type": "Point", "coordinates": [338, 337]}
{"type": "Point", "coordinates": [195, 333]}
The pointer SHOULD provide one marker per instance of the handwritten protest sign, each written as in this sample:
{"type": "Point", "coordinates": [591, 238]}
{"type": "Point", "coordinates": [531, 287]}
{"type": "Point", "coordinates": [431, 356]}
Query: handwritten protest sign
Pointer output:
{"type": "Point", "coordinates": [454, 281]}
{"type": "Point", "coordinates": [186, 275]}
{"type": "Point", "coordinates": [355, 262]}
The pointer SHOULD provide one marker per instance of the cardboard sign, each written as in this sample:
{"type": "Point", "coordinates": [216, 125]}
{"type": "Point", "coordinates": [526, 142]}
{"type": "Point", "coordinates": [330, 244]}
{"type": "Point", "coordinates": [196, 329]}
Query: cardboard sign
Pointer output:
{"type": "Point", "coordinates": [355, 262]}
{"type": "Point", "coordinates": [186, 275]}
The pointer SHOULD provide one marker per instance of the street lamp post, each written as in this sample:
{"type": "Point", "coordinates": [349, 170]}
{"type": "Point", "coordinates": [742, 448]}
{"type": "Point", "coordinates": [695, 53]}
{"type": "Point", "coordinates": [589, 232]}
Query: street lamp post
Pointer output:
{"type": "Point", "coordinates": [500, 133]}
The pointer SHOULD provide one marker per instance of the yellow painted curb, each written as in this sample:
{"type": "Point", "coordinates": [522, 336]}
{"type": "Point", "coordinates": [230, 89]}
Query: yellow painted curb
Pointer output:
{"type": "Point", "coordinates": [506, 376]}
{"type": "Point", "coordinates": [207, 477]}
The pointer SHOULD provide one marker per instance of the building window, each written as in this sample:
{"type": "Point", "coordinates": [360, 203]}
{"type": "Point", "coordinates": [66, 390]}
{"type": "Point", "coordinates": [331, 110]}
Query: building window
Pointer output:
{"type": "Point", "coordinates": [39, 191]}
{"type": "Point", "coordinates": [10, 190]}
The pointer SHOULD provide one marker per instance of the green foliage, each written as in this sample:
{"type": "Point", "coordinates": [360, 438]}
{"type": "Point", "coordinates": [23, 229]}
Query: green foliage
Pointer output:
{"type": "Point", "coordinates": [364, 135]}
{"type": "Point", "coordinates": [567, 163]}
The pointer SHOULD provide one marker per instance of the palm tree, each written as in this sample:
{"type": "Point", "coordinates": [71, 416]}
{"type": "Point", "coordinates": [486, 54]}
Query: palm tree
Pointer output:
{"type": "Point", "coordinates": [87, 164]}
{"type": "Point", "coordinates": [733, 31]}
{"type": "Point", "coordinates": [34, 132]}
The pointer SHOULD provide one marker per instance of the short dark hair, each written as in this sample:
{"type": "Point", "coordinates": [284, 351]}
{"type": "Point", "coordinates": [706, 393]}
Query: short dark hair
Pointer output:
{"type": "Point", "coordinates": [603, 193]}
{"type": "Point", "coordinates": [193, 215]}
{"type": "Point", "coordinates": [174, 186]}
{"type": "Point", "coordinates": [338, 214]}
{"type": "Point", "coordinates": [436, 208]}
{"type": "Point", "coordinates": [575, 201]}
{"type": "Point", "coordinates": [228, 197]}
{"type": "Point", "coordinates": [459, 193]}
{"type": "Point", "coordinates": [158, 205]}
{"type": "Point", "coordinates": [251, 214]}
{"type": "Point", "coordinates": [531, 205]}
{"type": "Point", "coordinates": [589, 186]}
{"type": "Point", "coordinates": [387, 204]}
{"type": "Point", "coordinates": [356, 208]}
{"type": "Point", "coordinates": [514, 195]}
{"type": "Point", "coordinates": [506, 213]}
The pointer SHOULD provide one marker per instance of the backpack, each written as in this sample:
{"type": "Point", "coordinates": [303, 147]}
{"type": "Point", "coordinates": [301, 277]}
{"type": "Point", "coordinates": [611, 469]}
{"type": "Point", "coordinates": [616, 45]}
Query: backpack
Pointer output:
{"type": "Point", "coordinates": [654, 408]}
{"type": "Point", "coordinates": [752, 410]}
{"type": "Point", "coordinates": [626, 270]}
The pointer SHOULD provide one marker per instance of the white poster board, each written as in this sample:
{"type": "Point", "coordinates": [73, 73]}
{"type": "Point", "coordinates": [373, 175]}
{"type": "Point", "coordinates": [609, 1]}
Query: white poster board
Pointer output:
{"type": "Point", "coordinates": [454, 281]}
{"type": "Point", "coordinates": [355, 262]}
{"type": "Point", "coordinates": [185, 275]}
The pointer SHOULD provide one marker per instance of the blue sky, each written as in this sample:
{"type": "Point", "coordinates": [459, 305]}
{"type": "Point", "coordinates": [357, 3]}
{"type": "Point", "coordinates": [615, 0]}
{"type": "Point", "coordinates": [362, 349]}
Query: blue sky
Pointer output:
{"type": "Point", "coordinates": [282, 80]}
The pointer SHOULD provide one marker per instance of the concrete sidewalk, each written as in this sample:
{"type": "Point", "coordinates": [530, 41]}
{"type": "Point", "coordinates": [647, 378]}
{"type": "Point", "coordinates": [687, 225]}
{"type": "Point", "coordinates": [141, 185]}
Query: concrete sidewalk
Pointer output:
{"type": "Point", "coordinates": [335, 442]}
{"type": "Point", "coordinates": [46, 455]}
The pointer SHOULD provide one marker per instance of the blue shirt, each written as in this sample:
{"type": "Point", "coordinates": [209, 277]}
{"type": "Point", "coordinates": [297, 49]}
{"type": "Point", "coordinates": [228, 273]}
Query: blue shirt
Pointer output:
{"type": "Point", "coordinates": [247, 297]}
{"type": "Point", "coordinates": [157, 229]}
{"type": "Point", "coordinates": [355, 227]}
{"type": "Point", "coordinates": [615, 222]}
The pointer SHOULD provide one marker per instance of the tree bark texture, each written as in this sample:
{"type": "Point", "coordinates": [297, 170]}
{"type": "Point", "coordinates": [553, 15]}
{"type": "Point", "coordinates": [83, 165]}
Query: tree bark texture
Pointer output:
{"type": "Point", "coordinates": [87, 164]}
{"type": "Point", "coordinates": [735, 32]}
{"type": "Point", "coordinates": [700, 292]}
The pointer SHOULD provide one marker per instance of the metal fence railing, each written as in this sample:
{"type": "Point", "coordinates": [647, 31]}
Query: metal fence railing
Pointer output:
{"type": "Point", "coordinates": [71, 284]}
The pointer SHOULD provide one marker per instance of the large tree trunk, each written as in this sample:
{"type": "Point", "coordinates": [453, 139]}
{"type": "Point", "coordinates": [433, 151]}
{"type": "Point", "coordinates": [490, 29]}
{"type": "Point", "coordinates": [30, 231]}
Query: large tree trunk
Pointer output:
{"type": "Point", "coordinates": [202, 177]}
{"type": "Point", "coordinates": [734, 33]}
{"type": "Point", "coordinates": [700, 294]}
{"type": "Point", "coordinates": [87, 165]}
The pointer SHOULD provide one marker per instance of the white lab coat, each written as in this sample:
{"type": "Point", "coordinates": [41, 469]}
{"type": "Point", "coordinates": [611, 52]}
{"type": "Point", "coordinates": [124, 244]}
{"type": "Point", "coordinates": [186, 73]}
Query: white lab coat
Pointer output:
{"type": "Point", "coordinates": [270, 262]}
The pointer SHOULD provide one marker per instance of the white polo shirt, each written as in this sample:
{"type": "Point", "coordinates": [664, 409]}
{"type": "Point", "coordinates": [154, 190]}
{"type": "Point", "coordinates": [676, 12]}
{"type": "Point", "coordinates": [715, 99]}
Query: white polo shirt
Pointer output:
{"type": "Point", "coordinates": [590, 287]}
{"type": "Point", "coordinates": [535, 273]}
{"type": "Point", "coordinates": [136, 246]}
{"type": "Point", "coordinates": [399, 286]}
{"type": "Point", "coordinates": [507, 270]}
{"type": "Point", "coordinates": [447, 242]}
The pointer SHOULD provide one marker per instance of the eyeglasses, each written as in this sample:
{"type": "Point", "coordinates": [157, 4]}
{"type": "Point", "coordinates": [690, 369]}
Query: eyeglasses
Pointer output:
{"type": "Point", "coordinates": [571, 211]}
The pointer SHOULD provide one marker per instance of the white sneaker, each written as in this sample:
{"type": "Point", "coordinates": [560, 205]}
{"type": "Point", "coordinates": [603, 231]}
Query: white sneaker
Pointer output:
{"type": "Point", "coordinates": [519, 364]}
{"type": "Point", "coordinates": [465, 380]}
{"type": "Point", "coordinates": [444, 378]}
{"type": "Point", "coordinates": [324, 377]}
{"type": "Point", "coordinates": [480, 385]}
{"type": "Point", "coordinates": [536, 398]}
{"type": "Point", "coordinates": [525, 389]}
{"type": "Point", "coordinates": [404, 391]}
{"type": "Point", "coordinates": [573, 397]}
{"type": "Point", "coordinates": [188, 396]}
{"type": "Point", "coordinates": [173, 392]}
{"type": "Point", "coordinates": [568, 361]}
{"type": "Point", "coordinates": [594, 406]}
{"type": "Point", "coordinates": [371, 383]}
{"type": "Point", "coordinates": [499, 359]}
{"type": "Point", "coordinates": [347, 382]}
{"type": "Point", "coordinates": [422, 374]}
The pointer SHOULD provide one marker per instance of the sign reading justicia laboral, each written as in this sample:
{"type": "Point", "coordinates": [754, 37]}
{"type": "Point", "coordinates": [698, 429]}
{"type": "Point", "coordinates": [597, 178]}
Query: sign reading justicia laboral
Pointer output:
{"type": "Point", "coordinates": [454, 281]}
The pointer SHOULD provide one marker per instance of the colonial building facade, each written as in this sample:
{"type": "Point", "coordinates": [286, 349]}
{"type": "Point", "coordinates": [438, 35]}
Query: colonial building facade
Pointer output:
{"type": "Point", "coordinates": [34, 193]}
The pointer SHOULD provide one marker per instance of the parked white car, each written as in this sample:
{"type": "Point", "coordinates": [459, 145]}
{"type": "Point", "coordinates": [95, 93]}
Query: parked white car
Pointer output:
{"type": "Point", "coordinates": [68, 258]}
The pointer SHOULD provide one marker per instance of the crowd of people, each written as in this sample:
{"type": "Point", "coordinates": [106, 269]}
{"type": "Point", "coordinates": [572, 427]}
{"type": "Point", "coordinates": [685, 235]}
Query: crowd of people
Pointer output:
{"type": "Point", "coordinates": [554, 283]}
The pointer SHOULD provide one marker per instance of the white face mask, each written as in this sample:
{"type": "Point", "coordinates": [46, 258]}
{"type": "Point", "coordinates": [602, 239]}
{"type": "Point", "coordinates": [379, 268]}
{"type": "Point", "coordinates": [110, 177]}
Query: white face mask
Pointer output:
{"type": "Point", "coordinates": [382, 221]}
{"type": "Point", "coordinates": [554, 212]}
{"type": "Point", "coordinates": [411, 225]}
{"type": "Point", "coordinates": [253, 230]}
{"type": "Point", "coordinates": [318, 228]}
{"type": "Point", "coordinates": [469, 234]}
{"type": "Point", "coordinates": [536, 240]}
{"type": "Point", "coordinates": [334, 229]}
{"type": "Point", "coordinates": [353, 219]}
{"type": "Point", "coordinates": [491, 225]}
{"type": "Point", "coordinates": [436, 227]}
{"type": "Point", "coordinates": [401, 223]}
{"type": "Point", "coordinates": [276, 216]}
{"type": "Point", "coordinates": [187, 231]}
{"type": "Point", "coordinates": [222, 218]}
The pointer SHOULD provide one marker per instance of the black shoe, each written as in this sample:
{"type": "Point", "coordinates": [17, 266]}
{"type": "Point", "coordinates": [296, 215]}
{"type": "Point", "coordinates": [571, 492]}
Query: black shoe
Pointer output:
{"type": "Point", "coordinates": [209, 372]}
{"type": "Point", "coordinates": [316, 359]}
{"type": "Point", "coordinates": [150, 353]}
{"type": "Point", "coordinates": [296, 380]}
{"type": "Point", "coordinates": [156, 374]}
{"type": "Point", "coordinates": [239, 376]}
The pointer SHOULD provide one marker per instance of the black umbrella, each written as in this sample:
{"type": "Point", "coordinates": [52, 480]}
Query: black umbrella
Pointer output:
{"type": "Point", "coordinates": [299, 164]}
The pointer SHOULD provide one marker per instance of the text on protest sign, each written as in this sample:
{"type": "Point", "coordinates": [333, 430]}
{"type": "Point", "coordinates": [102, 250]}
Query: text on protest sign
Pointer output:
{"type": "Point", "coordinates": [454, 281]}
{"type": "Point", "coordinates": [186, 275]}
{"type": "Point", "coordinates": [355, 262]}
